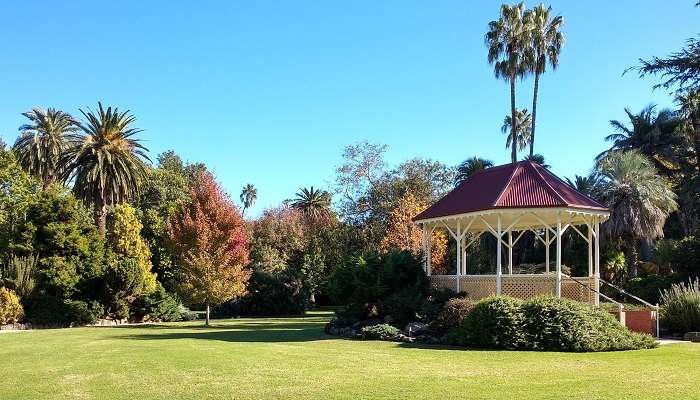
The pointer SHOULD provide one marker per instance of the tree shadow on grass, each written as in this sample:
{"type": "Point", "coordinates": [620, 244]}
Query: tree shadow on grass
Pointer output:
{"type": "Point", "coordinates": [273, 332]}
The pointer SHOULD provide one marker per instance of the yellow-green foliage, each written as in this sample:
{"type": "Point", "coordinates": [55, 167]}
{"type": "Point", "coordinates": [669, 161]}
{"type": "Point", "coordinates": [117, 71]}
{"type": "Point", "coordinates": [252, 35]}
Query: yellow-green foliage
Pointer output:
{"type": "Point", "coordinates": [11, 309]}
{"type": "Point", "coordinates": [125, 240]}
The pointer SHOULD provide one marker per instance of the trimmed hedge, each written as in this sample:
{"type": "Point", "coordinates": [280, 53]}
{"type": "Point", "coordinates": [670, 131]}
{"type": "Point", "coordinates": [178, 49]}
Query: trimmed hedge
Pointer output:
{"type": "Point", "coordinates": [545, 324]}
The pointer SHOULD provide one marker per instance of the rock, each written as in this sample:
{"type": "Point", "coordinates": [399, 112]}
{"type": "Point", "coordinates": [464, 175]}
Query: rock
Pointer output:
{"type": "Point", "coordinates": [692, 336]}
{"type": "Point", "coordinates": [416, 328]}
{"type": "Point", "coordinates": [405, 339]}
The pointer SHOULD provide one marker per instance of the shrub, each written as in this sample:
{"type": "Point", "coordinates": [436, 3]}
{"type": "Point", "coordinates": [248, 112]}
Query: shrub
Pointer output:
{"type": "Point", "coordinates": [11, 310]}
{"type": "Point", "coordinates": [82, 313]}
{"type": "Point", "coordinates": [495, 322]}
{"type": "Point", "coordinates": [649, 287]}
{"type": "Point", "coordinates": [435, 302]}
{"type": "Point", "coordinates": [686, 257]}
{"type": "Point", "coordinates": [454, 312]}
{"type": "Point", "coordinates": [380, 332]}
{"type": "Point", "coordinates": [552, 324]}
{"type": "Point", "coordinates": [680, 307]}
{"type": "Point", "coordinates": [377, 286]}
{"type": "Point", "coordinates": [51, 310]}
{"type": "Point", "coordinates": [268, 295]}
{"type": "Point", "coordinates": [545, 324]}
{"type": "Point", "coordinates": [157, 306]}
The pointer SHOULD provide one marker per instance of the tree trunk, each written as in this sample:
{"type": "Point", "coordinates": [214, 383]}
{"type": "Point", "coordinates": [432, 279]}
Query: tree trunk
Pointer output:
{"type": "Point", "coordinates": [513, 138]}
{"type": "Point", "coordinates": [101, 218]}
{"type": "Point", "coordinates": [534, 114]}
{"type": "Point", "coordinates": [206, 318]}
{"type": "Point", "coordinates": [632, 258]}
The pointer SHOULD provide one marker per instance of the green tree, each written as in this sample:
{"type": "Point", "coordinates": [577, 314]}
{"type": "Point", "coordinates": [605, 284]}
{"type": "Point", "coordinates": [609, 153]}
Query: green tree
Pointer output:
{"type": "Point", "coordinates": [58, 231]}
{"type": "Point", "coordinates": [42, 141]}
{"type": "Point", "coordinates": [639, 198]}
{"type": "Point", "coordinates": [518, 133]}
{"type": "Point", "coordinates": [105, 162]}
{"type": "Point", "coordinates": [248, 196]}
{"type": "Point", "coordinates": [125, 242]}
{"type": "Point", "coordinates": [17, 191]}
{"type": "Point", "coordinates": [587, 185]}
{"type": "Point", "coordinates": [508, 41]}
{"type": "Point", "coordinates": [546, 41]}
{"type": "Point", "coordinates": [689, 103]}
{"type": "Point", "coordinates": [313, 203]}
{"type": "Point", "coordinates": [537, 159]}
{"type": "Point", "coordinates": [469, 167]}
{"type": "Point", "coordinates": [654, 134]}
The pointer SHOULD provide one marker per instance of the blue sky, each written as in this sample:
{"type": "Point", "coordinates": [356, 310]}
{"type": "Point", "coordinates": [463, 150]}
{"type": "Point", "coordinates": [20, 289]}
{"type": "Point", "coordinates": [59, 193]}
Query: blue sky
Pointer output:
{"type": "Point", "coordinates": [270, 92]}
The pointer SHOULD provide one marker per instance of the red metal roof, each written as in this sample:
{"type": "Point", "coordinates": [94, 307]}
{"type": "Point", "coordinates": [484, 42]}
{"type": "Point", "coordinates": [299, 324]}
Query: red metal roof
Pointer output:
{"type": "Point", "coordinates": [521, 185]}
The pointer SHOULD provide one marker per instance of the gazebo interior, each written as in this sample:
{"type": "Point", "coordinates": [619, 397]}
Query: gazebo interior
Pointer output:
{"type": "Point", "coordinates": [513, 204]}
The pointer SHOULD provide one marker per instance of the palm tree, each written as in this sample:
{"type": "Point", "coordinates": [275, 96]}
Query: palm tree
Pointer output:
{"type": "Point", "coordinates": [105, 162]}
{"type": "Point", "coordinates": [639, 198]}
{"type": "Point", "coordinates": [508, 41]}
{"type": "Point", "coordinates": [520, 130]}
{"type": "Point", "coordinates": [654, 134]}
{"type": "Point", "coordinates": [689, 103]}
{"type": "Point", "coordinates": [42, 141]}
{"type": "Point", "coordinates": [537, 159]}
{"type": "Point", "coordinates": [546, 41]}
{"type": "Point", "coordinates": [469, 167]}
{"type": "Point", "coordinates": [314, 203]}
{"type": "Point", "coordinates": [587, 185]}
{"type": "Point", "coordinates": [248, 196]}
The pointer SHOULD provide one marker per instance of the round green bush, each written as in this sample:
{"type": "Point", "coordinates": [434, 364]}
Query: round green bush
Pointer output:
{"type": "Point", "coordinates": [495, 322]}
{"type": "Point", "coordinates": [11, 310]}
{"type": "Point", "coordinates": [552, 324]}
{"type": "Point", "coordinates": [454, 312]}
{"type": "Point", "coordinates": [546, 324]}
{"type": "Point", "coordinates": [380, 332]}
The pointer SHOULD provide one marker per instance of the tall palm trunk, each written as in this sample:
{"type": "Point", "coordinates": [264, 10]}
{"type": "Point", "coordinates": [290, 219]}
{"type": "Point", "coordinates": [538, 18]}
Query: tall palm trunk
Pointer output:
{"type": "Point", "coordinates": [101, 217]}
{"type": "Point", "coordinates": [632, 258]}
{"type": "Point", "coordinates": [534, 113]}
{"type": "Point", "coordinates": [513, 143]}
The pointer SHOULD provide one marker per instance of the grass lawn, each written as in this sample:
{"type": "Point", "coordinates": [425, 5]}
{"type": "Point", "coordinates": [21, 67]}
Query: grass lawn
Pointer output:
{"type": "Point", "coordinates": [291, 358]}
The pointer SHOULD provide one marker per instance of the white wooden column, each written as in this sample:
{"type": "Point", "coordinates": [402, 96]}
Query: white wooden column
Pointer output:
{"type": "Point", "coordinates": [458, 271]}
{"type": "Point", "coordinates": [596, 259]}
{"type": "Point", "coordinates": [558, 284]}
{"type": "Point", "coordinates": [499, 266]}
{"type": "Point", "coordinates": [590, 250]}
{"type": "Point", "coordinates": [546, 254]}
{"type": "Point", "coordinates": [510, 252]}
{"type": "Point", "coordinates": [464, 255]}
{"type": "Point", "coordinates": [429, 256]}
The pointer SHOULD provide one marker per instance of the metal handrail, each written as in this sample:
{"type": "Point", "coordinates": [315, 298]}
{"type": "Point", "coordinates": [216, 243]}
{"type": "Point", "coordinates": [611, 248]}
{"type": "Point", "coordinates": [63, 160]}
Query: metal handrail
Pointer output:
{"type": "Point", "coordinates": [620, 305]}
{"type": "Point", "coordinates": [621, 290]}
{"type": "Point", "coordinates": [595, 291]}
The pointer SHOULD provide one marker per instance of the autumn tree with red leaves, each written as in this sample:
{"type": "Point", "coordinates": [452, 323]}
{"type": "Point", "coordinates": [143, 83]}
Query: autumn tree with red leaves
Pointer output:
{"type": "Point", "coordinates": [207, 236]}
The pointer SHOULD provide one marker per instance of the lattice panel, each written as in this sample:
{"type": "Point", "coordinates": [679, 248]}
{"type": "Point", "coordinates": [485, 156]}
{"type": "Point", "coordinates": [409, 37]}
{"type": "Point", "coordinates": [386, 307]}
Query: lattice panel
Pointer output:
{"type": "Point", "coordinates": [525, 287]}
{"type": "Point", "coordinates": [478, 287]}
{"type": "Point", "coordinates": [520, 286]}
{"type": "Point", "coordinates": [578, 289]}
{"type": "Point", "coordinates": [443, 282]}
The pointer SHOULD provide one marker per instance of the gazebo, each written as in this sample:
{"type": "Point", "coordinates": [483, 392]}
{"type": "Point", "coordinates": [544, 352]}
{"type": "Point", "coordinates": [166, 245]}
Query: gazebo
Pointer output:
{"type": "Point", "coordinates": [507, 201]}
